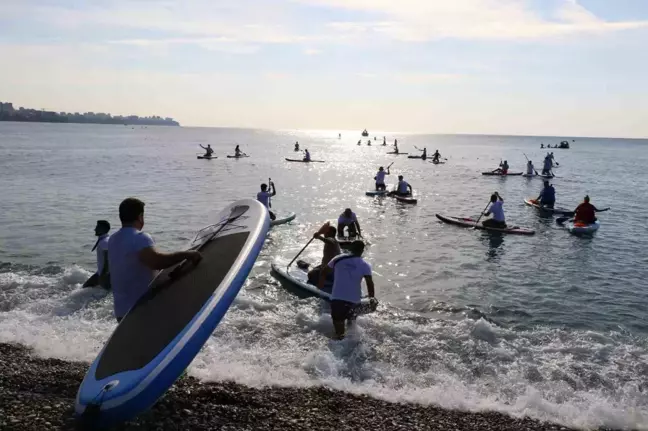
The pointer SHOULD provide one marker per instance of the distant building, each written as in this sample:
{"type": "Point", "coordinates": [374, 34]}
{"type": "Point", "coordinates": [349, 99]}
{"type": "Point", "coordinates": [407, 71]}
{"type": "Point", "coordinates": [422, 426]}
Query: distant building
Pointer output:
{"type": "Point", "coordinates": [6, 108]}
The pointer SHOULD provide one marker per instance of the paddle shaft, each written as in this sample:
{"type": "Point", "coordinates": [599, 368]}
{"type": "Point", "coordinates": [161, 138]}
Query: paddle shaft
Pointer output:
{"type": "Point", "coordinates": [481, 214]}
{"type": "Point", "coordinates": [534, 169]}
{"type": "Point", "coordinates": [300, 252]}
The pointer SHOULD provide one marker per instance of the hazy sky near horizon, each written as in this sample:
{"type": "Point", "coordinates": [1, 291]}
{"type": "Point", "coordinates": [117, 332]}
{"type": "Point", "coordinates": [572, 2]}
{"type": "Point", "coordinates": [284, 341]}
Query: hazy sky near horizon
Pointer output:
{"type": "Point", "coordinates": [541, 67]}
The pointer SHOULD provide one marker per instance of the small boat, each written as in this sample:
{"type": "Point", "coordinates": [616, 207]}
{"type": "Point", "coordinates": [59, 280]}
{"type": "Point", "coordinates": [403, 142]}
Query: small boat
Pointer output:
{"type": "Point", "coordinates": [283, 220]}
{"type": "Point", "coordinates": [365, 133]}
{"type": "Point", "coordinates": [304, 161]}
{"type": "Point", "coordinates": [497, 174]}
{"type": "Point", "coordinates": [562, 211]}
{"type": "Point", "coordinates": [468, 222]}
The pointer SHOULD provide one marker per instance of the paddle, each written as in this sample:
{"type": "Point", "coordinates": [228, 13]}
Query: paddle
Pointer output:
{"type": "Point", "coordinates": [300, 252]}
{"type": "Point", "coordinates": [534, 169]}
{"type": "Point", "coordinates": [481, 214]}
{"type": "Point", "coordinates": [269, 185]}
{"type": "Point", "coordinates": [561, 220]}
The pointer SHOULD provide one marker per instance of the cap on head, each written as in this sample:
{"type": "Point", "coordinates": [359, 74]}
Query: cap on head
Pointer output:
{"type": "Point", "coordinates": [103, 225]}
{"type": "Point", "coordinates": [494, 197]}
{"type": "Point", "coordinates": [381, 168]}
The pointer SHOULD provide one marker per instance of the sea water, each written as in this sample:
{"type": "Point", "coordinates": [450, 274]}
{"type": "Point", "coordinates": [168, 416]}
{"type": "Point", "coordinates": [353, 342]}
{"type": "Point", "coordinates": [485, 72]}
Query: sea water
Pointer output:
{"type": "Point", "coordinates": [551, 326]}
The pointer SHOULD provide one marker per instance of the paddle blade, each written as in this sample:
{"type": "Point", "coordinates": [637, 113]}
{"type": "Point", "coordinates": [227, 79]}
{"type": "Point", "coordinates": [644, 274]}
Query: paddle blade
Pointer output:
{"type": "Point", "coordinates": [561, 220]}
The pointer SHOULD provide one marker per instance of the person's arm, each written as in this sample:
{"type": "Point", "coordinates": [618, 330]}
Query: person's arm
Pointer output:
{"type": "Point", "coordinates": [274, 188]}
{"type": "Point", "coordinates": [409, 186]}
{"type": "Point", "coordinates": [204, 148]}
{"type": "Point", "coordinates": [156, 260]}
{"type": "Point", "coordinates": [370, 286]}
{"type": "Point", "coordinates": [499, 197]}
{"type": "Point", "coordinates": [600, 211]}
{"type": "Point", "coordinates": [104, 269]}
{"type": "Point", "coordinates": [358, 227]}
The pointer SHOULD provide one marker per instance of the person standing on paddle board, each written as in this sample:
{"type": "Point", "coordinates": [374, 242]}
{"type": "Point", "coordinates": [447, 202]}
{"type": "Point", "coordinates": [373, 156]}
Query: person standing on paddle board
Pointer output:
{"type": "Point", "coordinates": [326, 234]}
{"type": "Point", "coordinates": [264, 197]}
{"type": "Point", "coordinates": [380, 178]}
{"type": "Point", "coordinates": [134, 260]}
{"type": "Point", "coordinates": [101, 277]}
{"type": "Point", "coordinates": [307, 157]}
{"type": "Point", "coordinates": [547, 165]}
{"type": "Point", "coordinates": [349, 220]}
{"type": "Point", "coordinates": [496, 208]}
{"type": "Point", "coordinates": [436, 156]}
{"type": "Point", "coordinates": [402, 188]}
{"type": "Point", "coordinates": [586, 212]}
{"type": "Point", "coordinates": [296, 146]}
{"type": "Point", "coordinates": [348, 273]}
{"type": "Point", "coordinates": [424, 155]}
{"type": "Point", "coordinates": [547, 197]}
{"type": "Point", "coordinates": [208, 150]}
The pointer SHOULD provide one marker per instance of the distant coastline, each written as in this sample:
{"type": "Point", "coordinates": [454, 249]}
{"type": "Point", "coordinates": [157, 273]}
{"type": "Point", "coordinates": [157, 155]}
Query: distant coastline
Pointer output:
{"type": "Point", "coordinates": [8, 113]}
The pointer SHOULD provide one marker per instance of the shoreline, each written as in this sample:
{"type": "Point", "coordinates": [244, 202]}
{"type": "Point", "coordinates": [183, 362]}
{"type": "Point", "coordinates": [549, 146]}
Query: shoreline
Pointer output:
{"type": "Point", "coordinates": [37, 393]}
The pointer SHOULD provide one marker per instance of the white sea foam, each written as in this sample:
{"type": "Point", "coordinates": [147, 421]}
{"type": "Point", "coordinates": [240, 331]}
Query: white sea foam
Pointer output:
{"type": "Point", "coordinates": [578, 378]}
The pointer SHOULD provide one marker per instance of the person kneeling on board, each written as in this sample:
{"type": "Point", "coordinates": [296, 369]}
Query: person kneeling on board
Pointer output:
{"type": "Point", "coordinates": [102, 276]}
{"type": "Point", "coordinates": [349, 220]}
{"type": "Point", "coordinates": [264, 197]}
{"type": "Point", "coordinates": [307, 157]}
{"type": "Point", "coordinates": [349, 271]}
{"type": "Point", "coordinates": [495, 208]}
{"type": "Point", "coordinates": [424, 155]}
{"type": "Point", "coordinates": [208, 150]}
{"type": "Point", "coordinates": [402, 188]}
{"type": "Point", "coordinates": [586, 212]}
{"type": "Point", "coordinates": [380, 178]}
{"type": "Point", "coordinates": [134, 260]}
{"type": "Point", "coordinates": [547, 197]}
{"type": "Point", "coordinates": [318, 275]}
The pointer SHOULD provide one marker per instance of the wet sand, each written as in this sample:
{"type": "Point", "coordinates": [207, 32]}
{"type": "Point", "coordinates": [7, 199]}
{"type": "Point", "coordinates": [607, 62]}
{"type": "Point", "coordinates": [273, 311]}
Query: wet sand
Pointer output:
{"type": "Point", "coordinates": [39, 394]}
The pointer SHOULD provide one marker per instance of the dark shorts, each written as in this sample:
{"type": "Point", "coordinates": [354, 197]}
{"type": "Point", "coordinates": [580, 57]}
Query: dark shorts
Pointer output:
{"type": "Point", "coordinates": [272, 215]}
{"type": "Point", "coordinates": [494, 223]}
{"type": "Point", "coordinates": [342, 310]}
{"type": "Point", "coordinates": [381, 186]}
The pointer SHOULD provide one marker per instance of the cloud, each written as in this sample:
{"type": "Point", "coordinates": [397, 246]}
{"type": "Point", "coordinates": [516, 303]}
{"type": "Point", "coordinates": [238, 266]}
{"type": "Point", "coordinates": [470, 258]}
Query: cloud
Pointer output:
{"type": "Point", "coordinates": [312, 51]}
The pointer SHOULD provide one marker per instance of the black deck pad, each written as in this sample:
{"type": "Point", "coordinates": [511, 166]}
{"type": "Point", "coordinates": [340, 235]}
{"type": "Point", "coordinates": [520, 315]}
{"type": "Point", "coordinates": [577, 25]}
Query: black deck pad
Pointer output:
{"type": "Point", "coordinates": [168, 307]}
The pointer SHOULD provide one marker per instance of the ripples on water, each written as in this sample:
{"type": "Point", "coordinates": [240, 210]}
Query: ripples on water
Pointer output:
{"type": "Point", "coordinates": [552, 326]}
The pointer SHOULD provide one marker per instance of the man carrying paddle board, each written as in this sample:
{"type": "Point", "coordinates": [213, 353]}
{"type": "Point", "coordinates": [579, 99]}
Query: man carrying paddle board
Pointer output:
{"type": "Point", "coordinates": [349, 220]}
{"type": "Point", "coordinates": [349, 271]}
{"type": "Point", "coordinates": [380, 178]}
{"type": "Point", "coordinates": [496, 209]}
{"type": "Point", "coordinates": [133, 259]}
{"type": "Point", "coordinates": [264, 197]}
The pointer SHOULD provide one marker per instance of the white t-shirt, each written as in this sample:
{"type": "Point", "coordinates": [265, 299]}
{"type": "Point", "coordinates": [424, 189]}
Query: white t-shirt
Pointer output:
{"type": "Point", "coordinates": [529, 169]}
{"type": "Point", "coordinates": [102, 248]}
{"type": "Point", "coordinates": [344, 220]}
{"type": "Point", "coordinates": [380, 177]}
{"type": "Point", "coordinates": [264, 198]}
{"type": "Point", "coordinates": [129, 277]}
{"type": "Point", "coordinates": [348, 275]}
{"type": "Point", "coordinates": [497, 210]}
{"type": "Point", "coordinates": [402, 187]}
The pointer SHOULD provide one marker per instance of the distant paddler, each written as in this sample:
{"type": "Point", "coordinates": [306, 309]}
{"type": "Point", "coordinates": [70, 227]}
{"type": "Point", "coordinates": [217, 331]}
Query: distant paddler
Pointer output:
{"type": "Point", "coordinates": [307, 156]}
{"type": "Point", "coordinates": [102, 276]}
{"type": "Point", "coordinates": [349, 220]}
{"type": "Point", "coordinates": [208, 150]}
{"type": "Point", "coordinates": [296, 146]}
{"type": "Point", "coordinates": [547, 197]}
{"type": "Point", "coordinates": [237, 151]}
{"type": "Point", "coordinates": [436, 156]}
{"type": "Point", "coordinates": [349, 271]}
{"type": "Point", "coordinates": [497, 210]}
{"type": "Point", "coordinates": [380, 178]}
{"type": "Point", "coordinates": [264, 197]}
{"type": "Point", "coordinates": [384, 141]}
{"type": "Point", "coordinates": [547, 165]}
{"type": "Point", "coordinates": [503, 168]}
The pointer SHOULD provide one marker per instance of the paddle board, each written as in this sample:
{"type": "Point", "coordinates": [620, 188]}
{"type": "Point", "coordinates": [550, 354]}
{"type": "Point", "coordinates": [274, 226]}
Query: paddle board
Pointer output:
{"type": "Point", "coordinates": [502, 175]}
{"type": "Point", "coordinates": [376, 192]}
{"type": "Point", "coordinates": [468, 222]}
{"type": "Point", "coordinates": [557, 210]}
{"type": "Point", "coordinates": [416, 157]}
{"type": "Point", "coordinates": [295, 281]}
{"type": "Point", "coordinates": [582, 228]}
{"type": "Point", "coordinates": [207, 158]}
{"type": "Point", "coordinates": [397, 154]}
{"type": "Point", "coordinates": [282, 220]}
{"type": "Point", "coordinates": [304, 161]}
{"type": "Point", "coordinates": [406, 199]}
{"type": "Point", "coordinates": [165, 329]}
{"type": "Point", "coordinates": [237, 157]}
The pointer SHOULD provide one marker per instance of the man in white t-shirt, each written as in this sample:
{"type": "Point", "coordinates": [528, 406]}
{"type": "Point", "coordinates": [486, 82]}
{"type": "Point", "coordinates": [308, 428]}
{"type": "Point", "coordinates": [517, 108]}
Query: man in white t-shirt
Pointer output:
{"type": "Point", "coordinates": [101, 277]}
{"type": "Point", "coordinates": [349, 271]}
{"type": "Point", "coordinates": [380, 178]}
{"type": "Point", "coordinates": [264, 197]}
{"type": "Point", "coordinates": [134, 261]}
{"type": "Point", "coordinates": [349, 220]}
{"type": "Point", "coordinates": [497, 210]}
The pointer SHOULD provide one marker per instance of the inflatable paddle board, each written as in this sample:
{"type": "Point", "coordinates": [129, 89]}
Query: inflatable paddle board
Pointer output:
{"type": "Point", "coordinates": [237, 157]}
{"type": "Point", "coordinates": [207, 158]}
{"type": "Point", "coordinates": [165, 329]}
{"type": "Point", "coordinates": [283, 220]}
{"type": "Point", "coordinates": [502, 175]}
{"type": "Point", "coordinates": [468, 222]}
{"type": "Point", "coordinates": [579, 228]}
{"type": "Point", "coordinates": [556, 210]}
{"type": "Point", "coordinates": [376, 192]}
{"type": "Point", "coordinates": [304, 161]}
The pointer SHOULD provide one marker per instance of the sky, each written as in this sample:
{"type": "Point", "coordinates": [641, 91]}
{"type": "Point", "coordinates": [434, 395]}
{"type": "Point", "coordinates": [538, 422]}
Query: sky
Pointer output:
{"type": "Point", "coordinates": [524, 67]}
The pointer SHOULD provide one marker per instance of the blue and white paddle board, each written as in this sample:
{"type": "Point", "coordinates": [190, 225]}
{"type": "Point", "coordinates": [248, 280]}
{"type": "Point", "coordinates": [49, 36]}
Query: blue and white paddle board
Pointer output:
{"type": "Point", "coordinates": [167, 327]}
